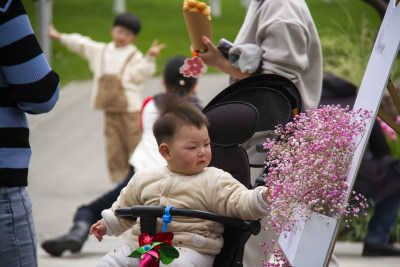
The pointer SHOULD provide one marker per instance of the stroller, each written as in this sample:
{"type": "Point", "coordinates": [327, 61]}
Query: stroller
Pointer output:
{"type": "Point", "coordinates": [241, 118]}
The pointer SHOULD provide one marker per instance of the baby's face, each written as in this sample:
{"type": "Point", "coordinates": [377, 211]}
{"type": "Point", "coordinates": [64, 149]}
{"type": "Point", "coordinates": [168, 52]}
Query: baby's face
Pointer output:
{"type": "Point", "coordinates": [122, 36]}
{"type": "Point", "coordinates": [190, 150]}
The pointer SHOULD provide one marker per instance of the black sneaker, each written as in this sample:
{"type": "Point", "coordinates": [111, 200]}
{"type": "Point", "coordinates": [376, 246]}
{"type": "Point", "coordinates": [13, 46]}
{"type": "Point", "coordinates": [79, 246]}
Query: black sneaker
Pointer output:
{"type": "Point", "coordinates": [380, 249]}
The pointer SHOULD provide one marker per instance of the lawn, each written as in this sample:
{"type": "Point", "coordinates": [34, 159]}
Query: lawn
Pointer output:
{"type": "Point", "coordinates": [163, 20]}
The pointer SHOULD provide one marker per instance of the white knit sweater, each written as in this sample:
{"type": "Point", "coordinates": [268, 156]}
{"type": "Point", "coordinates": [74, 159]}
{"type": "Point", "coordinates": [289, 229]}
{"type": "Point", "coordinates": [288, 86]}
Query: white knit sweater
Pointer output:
{"type": "Point", "coordinates": [137, 71]}
{"type": "Point", "coordinates": [286, 32]}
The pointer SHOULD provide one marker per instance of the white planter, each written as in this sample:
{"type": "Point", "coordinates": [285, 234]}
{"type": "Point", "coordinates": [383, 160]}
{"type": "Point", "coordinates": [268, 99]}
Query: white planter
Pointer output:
{"type": "Point", "coordinates": [308, 245]}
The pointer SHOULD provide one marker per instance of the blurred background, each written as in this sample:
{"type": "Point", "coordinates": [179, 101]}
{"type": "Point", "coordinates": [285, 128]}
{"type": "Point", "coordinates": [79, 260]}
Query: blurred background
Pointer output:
{"type": "Point", "coordinates": [347, 30]}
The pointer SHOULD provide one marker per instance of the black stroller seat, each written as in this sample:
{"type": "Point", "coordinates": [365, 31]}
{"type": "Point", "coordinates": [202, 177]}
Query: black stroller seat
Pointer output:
{"type": "Point", "coordinates": [276, 99]}
{"type": "Point", "coordinates": [250, 107]}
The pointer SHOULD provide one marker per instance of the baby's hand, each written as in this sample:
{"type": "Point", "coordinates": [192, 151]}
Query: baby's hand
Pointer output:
{"type": "Point", "coordinates": [99, 230]}
{"type": "Point", "coordinates": [267, 196]}
{"type": "Point", "coordinates": [155, 48]}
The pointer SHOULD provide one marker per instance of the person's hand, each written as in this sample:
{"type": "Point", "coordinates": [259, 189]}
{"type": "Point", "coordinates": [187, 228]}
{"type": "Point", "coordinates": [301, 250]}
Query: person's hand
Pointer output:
{"type": "Point", "coordinates": [53, 33]}
{"type": "Point", "coordinates": [155, 48]}
{"type": "Point", "coordinates": [212, 56]}
{"type": "Point", "coordinates": [99, 230]}
{"type": "Point", "coordinates": [267, 196]}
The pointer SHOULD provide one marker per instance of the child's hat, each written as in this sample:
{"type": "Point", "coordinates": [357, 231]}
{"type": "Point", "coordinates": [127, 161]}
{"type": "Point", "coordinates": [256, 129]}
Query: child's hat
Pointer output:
{"type": "Point", "coordinates": [129, 21]}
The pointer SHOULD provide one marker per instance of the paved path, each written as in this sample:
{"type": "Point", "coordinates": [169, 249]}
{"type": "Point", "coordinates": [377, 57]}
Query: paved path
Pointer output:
{"type": "Point", "coordinates": [68, 169]}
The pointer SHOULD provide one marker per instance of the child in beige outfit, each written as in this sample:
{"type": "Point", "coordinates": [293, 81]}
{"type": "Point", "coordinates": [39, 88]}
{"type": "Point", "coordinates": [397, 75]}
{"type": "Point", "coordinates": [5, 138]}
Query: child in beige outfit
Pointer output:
{"type": "Point", "coordinates": [119, 71]}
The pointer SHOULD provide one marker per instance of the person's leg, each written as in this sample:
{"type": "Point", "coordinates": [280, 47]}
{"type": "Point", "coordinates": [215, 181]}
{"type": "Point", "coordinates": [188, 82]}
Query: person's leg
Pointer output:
{"type": "Point", "coordinates": [118, 258]}
{"type": "Point", "coordinates": [190, 257]}
{"type": "Point", "coordinates": [123, 134]}
{"type": "Point", "coordinates": [116, 147]}
{"type": "Point", "coordinates": [85, 216]}
{"type": "Point", "coordinates": [383, 219]}
{"type": "Point", "coordinates": [18, 241]}
{"type": "Point", "coordinates": [133, 134]}
{"type": "Point", "coordinates": [187, 257]}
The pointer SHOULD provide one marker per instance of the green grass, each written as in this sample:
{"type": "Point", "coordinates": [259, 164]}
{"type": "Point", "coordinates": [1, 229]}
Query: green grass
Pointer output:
{"type": "Point", "coordinates": [163, 19]}
{"type": "Point", "coordinates": [395, 146]}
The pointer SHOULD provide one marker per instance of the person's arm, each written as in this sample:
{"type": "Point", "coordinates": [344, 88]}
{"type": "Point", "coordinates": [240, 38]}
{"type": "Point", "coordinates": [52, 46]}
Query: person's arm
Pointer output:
{"type": "Point", "coordinates": [24, 70]}
{"type": "Point", "coordinates": [214, 58]}
{"type": "Point", "coordinates": [82, 45]}
{"type": "Point", "coordinates": [285, 45]}
{"type": "Point", "coordinates": [53, 33]}
{"type": "Point", "coordinates": [231, 198]}
{"type": "Point", "coordinates": [127, 198]}
{"type": "Point", "coordinates": [140, 68]}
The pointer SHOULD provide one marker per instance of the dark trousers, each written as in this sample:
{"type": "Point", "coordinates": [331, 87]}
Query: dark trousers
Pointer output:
{"type": "Point", "coordinates": [91, 212]}
{"type": "Point", "coordinates": [386, 206]}
{"type": "Point", "coordinates": [383, 219]}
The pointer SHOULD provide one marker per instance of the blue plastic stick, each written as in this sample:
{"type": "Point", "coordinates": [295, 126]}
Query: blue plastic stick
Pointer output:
{"type": "Point", "coordinates": [167, 218]}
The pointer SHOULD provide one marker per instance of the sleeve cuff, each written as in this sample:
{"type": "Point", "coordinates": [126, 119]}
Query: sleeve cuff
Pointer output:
{"type": "Point", "coordinates": [109, 231]}
{"type": "Point", "coordinates": [261, 201]}
{"type": "Point", "coordinates": [112, 222]}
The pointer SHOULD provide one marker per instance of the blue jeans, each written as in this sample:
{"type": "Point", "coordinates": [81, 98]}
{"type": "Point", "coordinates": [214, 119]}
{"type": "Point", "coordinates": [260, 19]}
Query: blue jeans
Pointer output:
{"type": "Point", "coordinates": [18, 236]}
{"type": "Point", "coordinates": [383, 219]}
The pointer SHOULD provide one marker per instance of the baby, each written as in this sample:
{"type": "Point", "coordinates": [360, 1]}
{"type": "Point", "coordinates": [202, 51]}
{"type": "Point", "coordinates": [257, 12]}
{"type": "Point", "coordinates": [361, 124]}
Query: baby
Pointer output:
{"type": "Point", "coordinates": [186, 182]}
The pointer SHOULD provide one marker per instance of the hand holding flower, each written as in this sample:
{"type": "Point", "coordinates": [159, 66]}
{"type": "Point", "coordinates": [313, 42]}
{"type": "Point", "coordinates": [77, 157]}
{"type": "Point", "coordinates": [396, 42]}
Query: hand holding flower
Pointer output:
{"type": "Point", "coordinates": [267, 196]}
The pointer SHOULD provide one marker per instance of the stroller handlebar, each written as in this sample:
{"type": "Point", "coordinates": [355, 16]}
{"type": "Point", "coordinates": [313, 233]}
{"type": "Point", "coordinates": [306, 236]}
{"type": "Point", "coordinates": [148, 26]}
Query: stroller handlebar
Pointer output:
{"type": "Point", "coordinates": [132, 213]}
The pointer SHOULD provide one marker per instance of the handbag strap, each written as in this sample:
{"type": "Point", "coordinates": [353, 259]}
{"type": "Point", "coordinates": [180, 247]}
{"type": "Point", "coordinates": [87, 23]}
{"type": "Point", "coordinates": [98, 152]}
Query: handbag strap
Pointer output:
{"type": "Point", "coordinates": [123, 66]}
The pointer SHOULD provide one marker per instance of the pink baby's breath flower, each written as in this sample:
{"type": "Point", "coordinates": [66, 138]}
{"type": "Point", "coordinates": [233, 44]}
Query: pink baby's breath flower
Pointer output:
{"type": "Point", "coordinates": [308, 164]}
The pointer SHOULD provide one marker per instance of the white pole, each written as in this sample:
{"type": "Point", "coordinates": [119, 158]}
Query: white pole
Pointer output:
{"type": "Point", "coordinates": [44, 10]}
{"type": "Point", "coordinates": [119, 6]}
{"type": "Point", "coordinates": [245, 3]}
{"type": "Point", "coordinates": [215, 8]}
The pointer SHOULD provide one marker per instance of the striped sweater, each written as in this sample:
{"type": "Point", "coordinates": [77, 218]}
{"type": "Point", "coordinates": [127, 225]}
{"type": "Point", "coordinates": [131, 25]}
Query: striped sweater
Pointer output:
{"type": "Point", "coordinates": [27, 85]}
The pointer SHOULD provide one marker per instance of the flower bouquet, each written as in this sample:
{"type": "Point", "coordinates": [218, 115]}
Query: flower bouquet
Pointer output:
{"type": "Point", "coordinates": [197, 17]}
{"type": "Point", "coordinates": [308, 165]}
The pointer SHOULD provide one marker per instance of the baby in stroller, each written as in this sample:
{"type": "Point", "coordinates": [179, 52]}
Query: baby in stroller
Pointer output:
{"type": "Point", "coordinates": [186, 182]}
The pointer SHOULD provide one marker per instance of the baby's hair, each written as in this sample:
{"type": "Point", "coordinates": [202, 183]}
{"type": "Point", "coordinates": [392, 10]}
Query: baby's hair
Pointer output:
{"type": "Point", "coordinates": [175, 111]}
{"type": "Point", "coordinates": [129, 21]}
{"type": "Point", "coordinates": [174, 80]}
